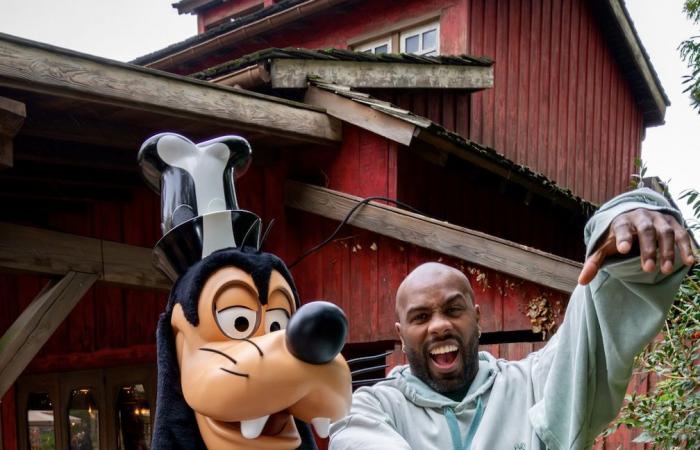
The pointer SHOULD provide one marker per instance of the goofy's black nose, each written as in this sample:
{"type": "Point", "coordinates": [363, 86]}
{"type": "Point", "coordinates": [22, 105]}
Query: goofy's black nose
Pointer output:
{"type": "Point", "coordinates": [316, 332]}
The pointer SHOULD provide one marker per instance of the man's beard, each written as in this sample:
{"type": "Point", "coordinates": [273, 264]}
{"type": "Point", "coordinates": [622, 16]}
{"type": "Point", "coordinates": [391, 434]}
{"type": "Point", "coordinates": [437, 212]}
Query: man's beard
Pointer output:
{"type": "Point", "coordinates": [447, 384]}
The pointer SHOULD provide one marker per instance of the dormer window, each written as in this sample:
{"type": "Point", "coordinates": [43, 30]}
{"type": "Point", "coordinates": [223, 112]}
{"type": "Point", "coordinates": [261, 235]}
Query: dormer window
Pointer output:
{"type": "Point", "coordinates": [419, 36]}
{"type": "Point", "coordinates": [376, 46]}
{"type": "Point", "coordinates": [423, 40]}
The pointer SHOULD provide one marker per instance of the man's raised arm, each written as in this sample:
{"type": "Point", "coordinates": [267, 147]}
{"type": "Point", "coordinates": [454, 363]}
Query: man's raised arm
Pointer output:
{"type": "Point", "coordinates": [637, 255]}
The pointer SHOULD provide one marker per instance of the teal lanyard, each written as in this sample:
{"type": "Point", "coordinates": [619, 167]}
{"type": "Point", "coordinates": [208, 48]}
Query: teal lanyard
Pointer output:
{"type": "Point", "coordinates": [454, 426]}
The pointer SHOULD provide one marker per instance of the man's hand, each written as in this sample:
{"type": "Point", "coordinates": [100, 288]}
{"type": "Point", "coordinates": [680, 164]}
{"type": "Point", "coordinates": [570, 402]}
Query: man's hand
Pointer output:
{"type": "Point", "coordinates": [656, 233]}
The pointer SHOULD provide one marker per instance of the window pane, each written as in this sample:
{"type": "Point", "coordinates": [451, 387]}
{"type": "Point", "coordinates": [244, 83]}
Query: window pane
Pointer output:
{"type": "Point", "coordinates": [40, 421]}
{"type": "Point", "coordinates": [83, 420]}
{"type": "Point", "coordinates": [382, 49]}
{"type": "Point", "coordinates": [412, 44]}
{"type": "Point", "coordinates": [430, 40]}
{"type": "Point", "coordinates": [134, 418]}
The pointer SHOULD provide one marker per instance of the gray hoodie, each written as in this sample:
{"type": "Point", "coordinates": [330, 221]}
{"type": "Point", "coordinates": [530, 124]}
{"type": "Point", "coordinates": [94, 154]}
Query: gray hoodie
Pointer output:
{"type": "Point", "coordinates": [560, 397]}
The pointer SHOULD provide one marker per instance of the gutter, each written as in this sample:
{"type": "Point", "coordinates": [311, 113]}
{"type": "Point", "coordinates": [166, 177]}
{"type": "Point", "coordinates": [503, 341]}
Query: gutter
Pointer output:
{"type": "Point", "coordinates": [246, 78]}
{"type": "Point", "coordinates": [245, 32]}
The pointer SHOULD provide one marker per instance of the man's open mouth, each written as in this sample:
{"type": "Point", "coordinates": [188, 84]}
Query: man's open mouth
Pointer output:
{"type": "Point", "coordinates": [444, 356]}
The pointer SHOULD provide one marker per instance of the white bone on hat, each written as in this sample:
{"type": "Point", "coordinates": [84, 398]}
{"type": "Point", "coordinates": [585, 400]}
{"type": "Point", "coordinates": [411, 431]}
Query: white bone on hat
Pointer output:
{"type": "Point", "coordinates": [199, 208]}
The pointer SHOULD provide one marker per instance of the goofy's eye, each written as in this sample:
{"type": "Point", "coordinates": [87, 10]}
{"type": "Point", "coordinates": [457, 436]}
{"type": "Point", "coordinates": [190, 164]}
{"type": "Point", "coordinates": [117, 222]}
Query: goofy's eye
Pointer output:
{"type": "Point", "coordinates": [275, 320]}
{"type": "Point", "coordinates": [237, 322]}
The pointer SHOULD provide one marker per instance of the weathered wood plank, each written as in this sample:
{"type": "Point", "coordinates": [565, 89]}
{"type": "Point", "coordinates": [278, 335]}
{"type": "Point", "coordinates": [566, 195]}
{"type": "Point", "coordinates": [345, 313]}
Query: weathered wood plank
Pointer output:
{"type": "Point", "coordinates": [34, 326]}
{"type": "Point", "coordinates": [12, 115]}
{"type": "Point", "coordinates": [30, 66]}
{"type": "Point", "coordinates": [294, 73]}
{"type": "Point", "coordinates": [48, 252]}
{"type": "Point", "coordinates": [361, 115]}
{"type": "Point", "coordinates": [504, 256]}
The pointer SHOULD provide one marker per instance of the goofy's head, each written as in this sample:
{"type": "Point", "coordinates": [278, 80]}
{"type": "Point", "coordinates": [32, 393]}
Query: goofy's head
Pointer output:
{"type": "Point", "coordinates": [240, 363]}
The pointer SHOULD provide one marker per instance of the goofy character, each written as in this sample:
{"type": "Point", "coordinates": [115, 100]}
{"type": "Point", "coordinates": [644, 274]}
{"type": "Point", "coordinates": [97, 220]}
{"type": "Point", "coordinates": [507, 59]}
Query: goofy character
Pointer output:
{"type": "Point", "coordinates": [240, 364]}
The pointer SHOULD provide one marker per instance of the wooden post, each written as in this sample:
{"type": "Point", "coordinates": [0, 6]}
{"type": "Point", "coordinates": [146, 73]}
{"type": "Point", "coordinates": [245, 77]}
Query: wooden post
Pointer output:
{"type": "Point", "coordinates": [25, 337]}
{"type": "Point", "coordinates": [12, 115]}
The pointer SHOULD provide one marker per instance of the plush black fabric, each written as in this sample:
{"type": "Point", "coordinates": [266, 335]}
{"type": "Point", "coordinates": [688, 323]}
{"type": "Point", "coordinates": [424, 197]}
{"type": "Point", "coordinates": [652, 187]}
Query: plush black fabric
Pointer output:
{"type": "Point", "coordinates": [258, 264]}
{"type": "Point", "coordinates": [175, 426]}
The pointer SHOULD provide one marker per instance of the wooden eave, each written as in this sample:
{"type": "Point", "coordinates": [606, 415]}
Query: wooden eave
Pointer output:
{"type": "Point", "coordinates": [55, 83]}
{"type": "Point", "coordinates": [212, 41]}
{"type": "Point", "coordinates": [430, 140]}
{"type": "Point", "coordinates": [619, 30]}
{"type": "Point", "coordinates": [294, 74]}
{"type": "Point", "coordinates": [194, 6]}
{"type": "Point", "coordinates": [633, 60]}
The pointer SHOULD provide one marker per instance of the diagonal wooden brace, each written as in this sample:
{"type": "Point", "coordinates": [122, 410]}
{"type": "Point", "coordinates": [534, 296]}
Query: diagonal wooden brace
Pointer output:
{"type": "Point", "coordinates": [23, 340]}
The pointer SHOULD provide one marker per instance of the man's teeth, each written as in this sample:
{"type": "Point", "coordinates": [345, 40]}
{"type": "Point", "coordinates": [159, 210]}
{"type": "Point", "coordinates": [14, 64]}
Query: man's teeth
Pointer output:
{"type": "Point", "coordinates": [251, 429]}
{"type": "Point", "coordinates": [321, 425]}
{"type": "Point", "coordinates": [443, 349]}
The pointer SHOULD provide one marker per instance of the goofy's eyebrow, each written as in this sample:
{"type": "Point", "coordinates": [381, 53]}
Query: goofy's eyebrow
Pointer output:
{"type": "Point", "coordinates": [287, 295]}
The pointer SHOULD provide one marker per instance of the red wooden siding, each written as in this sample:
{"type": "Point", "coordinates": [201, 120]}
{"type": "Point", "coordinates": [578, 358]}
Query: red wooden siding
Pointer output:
{"type": "Point", "coordinates": [560, 104]}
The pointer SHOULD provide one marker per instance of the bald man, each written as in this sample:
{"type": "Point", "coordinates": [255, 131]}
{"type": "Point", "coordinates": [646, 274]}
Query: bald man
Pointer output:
{"type": "Point", "coordinates": [451, 396]}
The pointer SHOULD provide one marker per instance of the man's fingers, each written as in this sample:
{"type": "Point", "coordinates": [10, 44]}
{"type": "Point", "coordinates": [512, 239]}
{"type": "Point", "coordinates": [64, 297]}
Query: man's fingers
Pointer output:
{"type": "Point", "coordinates": [682, 240]}
{"type": "Point", "coordinates": [591, 267]}
{"type": "Point", "coordinates": [646, 234]}
{"type": "Point", "coordinates": [666, 241]}
{"type": "Point", "coordinates": [623, 236]}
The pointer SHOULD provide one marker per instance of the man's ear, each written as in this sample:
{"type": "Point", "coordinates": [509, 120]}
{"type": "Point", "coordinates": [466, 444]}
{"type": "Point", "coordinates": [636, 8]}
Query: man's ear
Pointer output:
{"type": "Point", "coordinates": [397, 327]}
{"type": "Point", "coordinates": [478, 313]}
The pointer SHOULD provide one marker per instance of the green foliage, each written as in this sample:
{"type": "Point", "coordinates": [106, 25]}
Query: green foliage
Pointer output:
{"type": "Point", "coordinates": [692, 197]}
{"type": "Point", "coordinates": [669, 414]}
{"type": "Point", "coordinates": [690, 53]}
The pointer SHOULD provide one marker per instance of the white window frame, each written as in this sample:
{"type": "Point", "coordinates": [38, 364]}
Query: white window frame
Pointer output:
{"type": "Point", "coordinates": [372, 46]}
{"type": "Point", "coordinates": [405, 34]}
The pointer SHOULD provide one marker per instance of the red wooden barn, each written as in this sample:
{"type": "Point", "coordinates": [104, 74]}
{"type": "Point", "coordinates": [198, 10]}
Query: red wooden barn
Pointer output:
{"type": "Point", "coordinates": [503, 123]}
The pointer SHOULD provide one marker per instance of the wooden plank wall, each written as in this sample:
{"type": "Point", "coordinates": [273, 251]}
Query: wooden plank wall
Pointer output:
{"type": "Point", "coordinates": [361, 270]}
{"type": "Point", "coordinates": [465, 195]}
{"type": "Point", "coordinates": [560, 104]}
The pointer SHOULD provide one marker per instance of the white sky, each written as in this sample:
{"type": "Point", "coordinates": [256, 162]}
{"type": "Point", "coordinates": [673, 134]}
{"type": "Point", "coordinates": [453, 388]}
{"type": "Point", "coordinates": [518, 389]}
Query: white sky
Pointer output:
{"type": "Point", "coordinates": [125, 29]}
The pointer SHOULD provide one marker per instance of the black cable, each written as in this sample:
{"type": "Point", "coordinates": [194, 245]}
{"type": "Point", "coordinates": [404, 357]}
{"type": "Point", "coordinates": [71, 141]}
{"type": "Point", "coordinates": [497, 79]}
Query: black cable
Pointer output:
{"type": "Point", "coordinates": [362, 202]}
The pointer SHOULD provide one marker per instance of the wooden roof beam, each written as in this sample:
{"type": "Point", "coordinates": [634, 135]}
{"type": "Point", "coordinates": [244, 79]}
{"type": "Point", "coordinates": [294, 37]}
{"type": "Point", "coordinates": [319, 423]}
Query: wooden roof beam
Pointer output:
{"type": "Point", "coordinates": [294, 73]}
{"type": "Point", "coordinates": [361, 115]}
{"type": "Point", "coordinates": [47, 252]}
{"type": "Point", "coordinates": [472, 246]}
{"type": "Point", "coordinates": [12, 114]}
{"type": "Point", "coordinates": [34, 67]}
{"type": "Point", "coordinates": [25, 337]}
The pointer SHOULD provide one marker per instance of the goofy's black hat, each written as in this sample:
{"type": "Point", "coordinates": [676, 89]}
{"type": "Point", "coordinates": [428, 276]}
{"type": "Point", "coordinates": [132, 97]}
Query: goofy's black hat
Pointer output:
{"type": "Point", "coordinates": [200, 211]}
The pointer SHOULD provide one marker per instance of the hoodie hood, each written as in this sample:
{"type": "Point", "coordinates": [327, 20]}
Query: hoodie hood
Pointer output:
{"type": "Point", "coordinates": [420, 394]}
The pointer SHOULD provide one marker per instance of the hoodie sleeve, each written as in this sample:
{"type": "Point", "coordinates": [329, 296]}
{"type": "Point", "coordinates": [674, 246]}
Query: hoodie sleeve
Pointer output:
{"type": "Point", "coordinates": [367, 427]}
{"type": "Point", "coordinates": [581, 376]}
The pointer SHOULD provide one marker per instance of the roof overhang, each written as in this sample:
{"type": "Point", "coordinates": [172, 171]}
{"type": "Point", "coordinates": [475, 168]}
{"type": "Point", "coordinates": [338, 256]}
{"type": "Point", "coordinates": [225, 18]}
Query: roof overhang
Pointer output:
{"type": "Point", "coordinates": [194, 6]}
{"type": "Point", "coordinates": [615, 20]}
{"type": "Point", "coordinates": [56, 83]}
{"type": "Point", "coordinates": [433, 140]}
{"type": "Point", "coordinates": [208, 42]}
{"type": "Point", "coordinates": [633, 60]}
{"type": "Point", "coordinates": [295, 73]}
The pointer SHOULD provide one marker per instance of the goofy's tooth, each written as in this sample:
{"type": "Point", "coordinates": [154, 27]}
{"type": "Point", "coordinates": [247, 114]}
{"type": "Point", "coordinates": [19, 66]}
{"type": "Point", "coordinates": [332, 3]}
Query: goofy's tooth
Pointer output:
{"type": "Point", "coordinates": [321, 425]}
{"type": "Point", "coordinates": [251, 429]}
